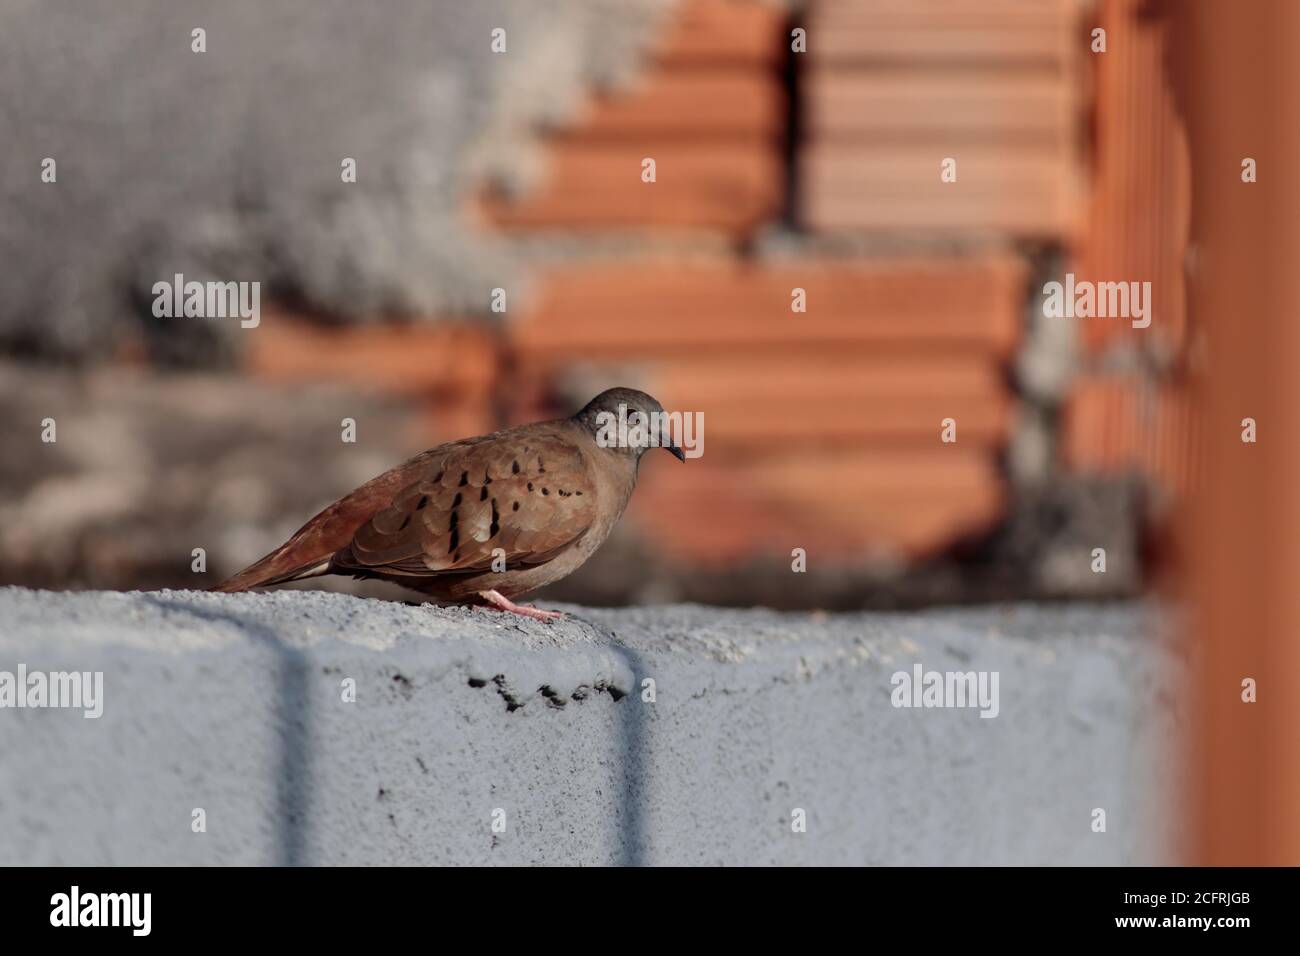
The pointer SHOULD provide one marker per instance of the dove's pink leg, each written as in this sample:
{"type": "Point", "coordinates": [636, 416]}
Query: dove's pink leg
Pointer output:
{"type": "Point", "coordinates": [497, 599]}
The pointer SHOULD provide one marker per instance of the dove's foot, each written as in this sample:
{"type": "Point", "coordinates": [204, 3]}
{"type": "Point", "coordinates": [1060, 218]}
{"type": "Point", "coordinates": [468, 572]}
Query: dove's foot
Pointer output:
{"type": "Point", "coordinates": [497, 599]}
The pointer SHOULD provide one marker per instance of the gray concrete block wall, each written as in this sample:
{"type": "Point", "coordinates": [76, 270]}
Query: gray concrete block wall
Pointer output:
{"type": "Point", "coordinates": [233, 704]}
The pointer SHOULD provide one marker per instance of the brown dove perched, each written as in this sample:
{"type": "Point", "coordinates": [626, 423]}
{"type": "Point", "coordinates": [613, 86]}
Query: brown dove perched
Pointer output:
{"type": "Point", "coordinates": [536, 501]}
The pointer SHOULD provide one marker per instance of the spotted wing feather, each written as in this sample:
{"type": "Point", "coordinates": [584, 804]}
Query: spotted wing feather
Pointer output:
{"type": "Point", "coordinates": [531, 498]}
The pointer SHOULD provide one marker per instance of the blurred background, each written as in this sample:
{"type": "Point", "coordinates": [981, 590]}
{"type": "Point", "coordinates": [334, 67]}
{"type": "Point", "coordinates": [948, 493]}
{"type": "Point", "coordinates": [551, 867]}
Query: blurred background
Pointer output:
{"type": "Point", "coordinates": [499, 258]}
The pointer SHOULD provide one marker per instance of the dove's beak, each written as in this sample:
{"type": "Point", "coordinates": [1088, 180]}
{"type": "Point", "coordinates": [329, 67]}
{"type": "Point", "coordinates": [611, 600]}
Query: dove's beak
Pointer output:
{"type": "Point", "coordinates": [675, 451]}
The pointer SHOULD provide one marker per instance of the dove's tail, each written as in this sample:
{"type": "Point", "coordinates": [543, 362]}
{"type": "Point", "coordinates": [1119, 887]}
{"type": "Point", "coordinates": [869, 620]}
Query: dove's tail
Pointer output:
{"type": "Point", "coordinates": [272, 570]}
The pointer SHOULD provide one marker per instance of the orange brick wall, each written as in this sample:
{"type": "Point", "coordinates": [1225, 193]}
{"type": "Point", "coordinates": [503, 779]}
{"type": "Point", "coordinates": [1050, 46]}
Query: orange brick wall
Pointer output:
{"type": "Point", "coordinates": [1123, 423]}
{"type": "Point", "coordinates": [452, 368]}
{"type": "Point", "coordinates": [709, 108]}
{"type": "Point", "coordinates": [1136, 421]}
{"type": "Point", "coordinates": [1138, 217]}
{"type": "Point", "coordinates": [893, 87]}
{"type": "Point", "coordinates": [819, 426]}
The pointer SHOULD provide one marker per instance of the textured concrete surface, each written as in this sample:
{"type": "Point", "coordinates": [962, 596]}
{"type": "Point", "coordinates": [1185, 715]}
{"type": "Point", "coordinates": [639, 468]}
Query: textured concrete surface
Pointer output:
{"type": "Point", "coordinates": [233, 704]}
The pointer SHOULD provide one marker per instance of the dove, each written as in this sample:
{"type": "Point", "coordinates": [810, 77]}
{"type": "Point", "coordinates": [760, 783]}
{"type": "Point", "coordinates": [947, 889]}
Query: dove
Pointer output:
{"type": "Point", "coordinates": [483, 520]}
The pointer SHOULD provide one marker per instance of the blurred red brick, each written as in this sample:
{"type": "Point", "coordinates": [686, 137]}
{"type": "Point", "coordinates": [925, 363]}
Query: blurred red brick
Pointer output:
{"type": "Point", "coordinates": [895, 88]}
{"type": "Point", "coordinates": [941, 15]}
{"type": "Point", "coordinates": [442, 356]}
{"type": "Point", "coordinates": [699, 105]}
{"type": "Point", "coordinates": [451, 368]}
{"type": "Point", "coordinates": [927, 32]}
{"type": "Point", "coordinates": [836, 398]}
{"type": "Point", "coordinates": [709, 109]}
{"type": "Point", "coordinates": [896, 188]}
{"type": "Point", "coordinates": [1116, 424]}
{"type": "Point", "coordinates": [1141, 203]}
{"type": "Point", "coordinates": [880, 503]}
{"type": "Point", "coordinates": [985, 107]}
{"type": "Point", "coordinates": [669, 307]}
{"type": "Point", "coordinates": [728, 187]}
{"type": "Point", "coordinates": [714, 33]}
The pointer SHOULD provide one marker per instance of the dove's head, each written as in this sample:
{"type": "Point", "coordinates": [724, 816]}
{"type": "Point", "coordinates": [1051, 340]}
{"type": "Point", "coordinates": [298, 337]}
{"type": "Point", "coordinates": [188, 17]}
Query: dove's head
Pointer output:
{"type": "Point", "coordinates": [628, 422]}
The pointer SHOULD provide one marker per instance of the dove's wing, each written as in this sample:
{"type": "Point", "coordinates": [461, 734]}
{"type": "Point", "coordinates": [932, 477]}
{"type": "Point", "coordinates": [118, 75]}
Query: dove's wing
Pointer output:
{"type": "Point", "coordinates": [528, 494]}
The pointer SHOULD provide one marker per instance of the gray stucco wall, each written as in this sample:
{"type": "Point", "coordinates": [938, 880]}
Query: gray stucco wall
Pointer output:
{"type": "Point", "coordinates": [225, 165]}
{"type": "Point", "coordinates": [233, 703]}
